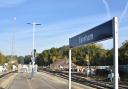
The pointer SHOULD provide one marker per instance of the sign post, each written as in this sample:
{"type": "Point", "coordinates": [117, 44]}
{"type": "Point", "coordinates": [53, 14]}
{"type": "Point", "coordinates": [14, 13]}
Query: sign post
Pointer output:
{"type": "Point", "coordinates": [102, 32]}
{"type": "Point", "coordinates": [115, 51]}
{"type": "Point", "coordinates": [70, 62]}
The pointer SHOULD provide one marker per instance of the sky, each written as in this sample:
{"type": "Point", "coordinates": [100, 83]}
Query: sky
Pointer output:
{"type": "Point", "coordinates": [60, 19]}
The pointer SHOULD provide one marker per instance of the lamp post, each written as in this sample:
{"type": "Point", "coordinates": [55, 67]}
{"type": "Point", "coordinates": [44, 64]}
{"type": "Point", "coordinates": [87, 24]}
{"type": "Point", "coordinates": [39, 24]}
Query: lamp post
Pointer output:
{"type": "Point", "coordinates": [33, 45]}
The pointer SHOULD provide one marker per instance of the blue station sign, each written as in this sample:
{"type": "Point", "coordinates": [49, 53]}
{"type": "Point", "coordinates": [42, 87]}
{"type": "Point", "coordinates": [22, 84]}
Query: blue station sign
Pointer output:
{"type": "Point", "coordinates": [98, 33]}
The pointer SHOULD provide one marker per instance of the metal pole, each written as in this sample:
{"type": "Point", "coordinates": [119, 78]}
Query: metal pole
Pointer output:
{"type": "Point", "coordinates": [33, 24]}
{"type": "Point", "coordinates": [115, 51]}
{"type": "Point", "coordinates": [33, 57]}
{"type": "Point", "coordinates": [33, 60]}
{"type": "Point", "coordinates": [33, 44]}
{"type": "Point", "coordinates": [70, 61]}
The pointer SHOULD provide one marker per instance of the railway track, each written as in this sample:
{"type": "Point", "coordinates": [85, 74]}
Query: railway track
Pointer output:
{"type": "Point", "coordinates": [82, 80]}
{"type": "Point", "coordinates": [6, 73]}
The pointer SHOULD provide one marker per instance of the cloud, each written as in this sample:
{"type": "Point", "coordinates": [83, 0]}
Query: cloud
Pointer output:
{"type": "Point", "coordinates": [10, 3]}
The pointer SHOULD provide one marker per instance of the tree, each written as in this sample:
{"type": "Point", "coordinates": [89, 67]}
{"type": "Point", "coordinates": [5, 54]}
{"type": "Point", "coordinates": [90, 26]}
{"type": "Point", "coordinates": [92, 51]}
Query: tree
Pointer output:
{"type": "Point", "coordinates": [123, 53]}
{"type": "Point", "coordinates": [3, 59]}
{"type": "Point", "coordinates": [40, 60]}
{"type": "Point", "coordinates": [20, 59]}
{"type": "Point", "coordinates": [94, 53]}
{"type": "Point", "coordinates": [27, 59]}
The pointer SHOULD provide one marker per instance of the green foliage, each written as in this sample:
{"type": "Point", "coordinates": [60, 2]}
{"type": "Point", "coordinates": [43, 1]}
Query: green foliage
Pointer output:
{"type": "Point", "coordinates": [123, 53]}
{"type": "Point", "coordinates": [93, 53]}
{"type": "Point", "coordinates": [3, 59]}
{"type": "Point", "coordinates": [27, 59]}
{"type": "Point", "coordinates": [20, 59]}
